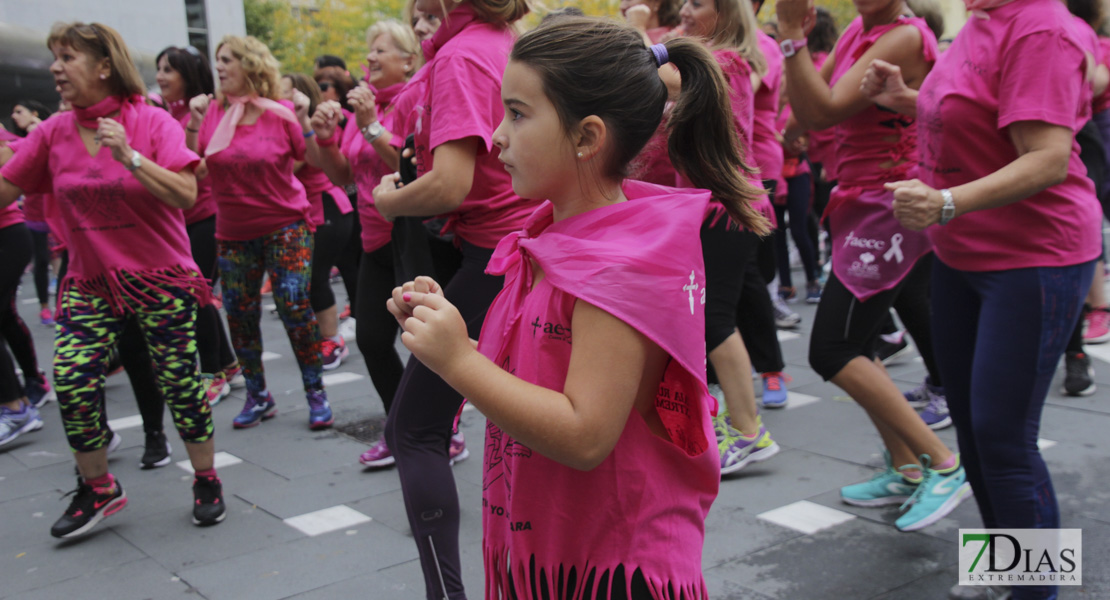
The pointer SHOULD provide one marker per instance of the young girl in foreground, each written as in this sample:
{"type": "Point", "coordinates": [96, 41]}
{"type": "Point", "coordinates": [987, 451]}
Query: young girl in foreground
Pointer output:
{"type": "Point", "coordinates": [599, 466]}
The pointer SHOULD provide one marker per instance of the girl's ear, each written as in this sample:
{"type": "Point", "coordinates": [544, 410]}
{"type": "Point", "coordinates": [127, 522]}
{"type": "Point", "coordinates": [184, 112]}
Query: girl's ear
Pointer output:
{"type": "Point", "coordinates": [592, 135]}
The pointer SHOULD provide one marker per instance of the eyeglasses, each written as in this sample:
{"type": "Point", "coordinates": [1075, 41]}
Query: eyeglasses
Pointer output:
{"type": "Point", "coordinates": [325, 85]}
{"type": "Point", "coordinates": [192, 50]}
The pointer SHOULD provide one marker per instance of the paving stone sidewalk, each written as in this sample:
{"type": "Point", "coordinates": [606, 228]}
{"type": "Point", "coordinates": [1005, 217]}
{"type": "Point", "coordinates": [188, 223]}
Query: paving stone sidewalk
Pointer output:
{"type": "Point", "coordinates": [306, 521]}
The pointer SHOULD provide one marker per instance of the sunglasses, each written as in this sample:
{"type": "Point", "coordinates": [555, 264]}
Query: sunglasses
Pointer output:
{"type": "Point", "coordinates": [325, 85]}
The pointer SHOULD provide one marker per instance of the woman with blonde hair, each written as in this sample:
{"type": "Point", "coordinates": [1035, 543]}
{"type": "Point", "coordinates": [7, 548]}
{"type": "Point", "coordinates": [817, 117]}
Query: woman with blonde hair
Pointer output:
{"type": "Point", "coordinates": [362, 152]}
{"type": "Point", "coordinates": [251, 142]}
{"type": "Point", "coordinates": [120, 175]}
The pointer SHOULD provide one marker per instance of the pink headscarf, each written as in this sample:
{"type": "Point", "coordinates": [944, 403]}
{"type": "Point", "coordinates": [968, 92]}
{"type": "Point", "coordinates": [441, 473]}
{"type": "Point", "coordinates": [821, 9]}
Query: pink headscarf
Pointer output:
{"type": "Point", "coordinates": [225, 130]}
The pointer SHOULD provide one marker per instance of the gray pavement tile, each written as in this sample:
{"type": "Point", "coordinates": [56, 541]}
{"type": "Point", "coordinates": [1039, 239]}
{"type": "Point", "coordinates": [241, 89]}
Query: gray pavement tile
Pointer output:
{"type": "Point", "coordinates": [176, 544]}
{"type": "Point", "coordinates": [284, 570]}
{"type": "Point", "coordinates": [790, 476]}
{"type": "Point", "coordinates": [8, 464]}
{"type": "Point", "coordinates": [966, 515]}
{"type": "Point", "coordinates": [138, 580]}
{"type": "Point", "coordinates": [285, 446]}
{"type": "Point", "coordinates": [33, 563]}
{"type": "Point", "coordinates": [379, 584]}
{"type": "Point", "coordinates": [285, 498]}
{"type": "Point", "coordinates": [854, 560]}
{"type": "Point", "coordinates": [27, 520]}
{"type": "Point", "coordinates": [57, 478]}
{"type": "Point", "coordinates": [731, 532]}
{"type": "Point", "coordinates": [723, 589]}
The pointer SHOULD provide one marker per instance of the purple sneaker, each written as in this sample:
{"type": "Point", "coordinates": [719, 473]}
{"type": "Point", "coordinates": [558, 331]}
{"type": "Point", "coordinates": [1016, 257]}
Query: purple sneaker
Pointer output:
{"type": "Point", "coordinates": [255, 411]}
{"type": "Point", "coordinates": [378, 456]}
{"type": "Point", "coordinates": [319, 411]}
{"type": "Point", "coordinates": [936, 414]}
{"type": "Point", "coordinates": [457, 451]}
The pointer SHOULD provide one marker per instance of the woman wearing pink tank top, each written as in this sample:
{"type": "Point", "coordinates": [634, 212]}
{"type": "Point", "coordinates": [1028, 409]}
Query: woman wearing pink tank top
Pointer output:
{"type": "Point", "coordinates": [599, 464]}
{"type": "Point", "coordinates": [872, 253]}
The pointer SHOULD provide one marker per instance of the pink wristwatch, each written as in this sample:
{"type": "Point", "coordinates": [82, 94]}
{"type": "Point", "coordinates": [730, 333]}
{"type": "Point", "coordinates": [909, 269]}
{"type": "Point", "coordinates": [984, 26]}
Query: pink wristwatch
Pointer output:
{"type": "Point", "coordinates": [791, 47]}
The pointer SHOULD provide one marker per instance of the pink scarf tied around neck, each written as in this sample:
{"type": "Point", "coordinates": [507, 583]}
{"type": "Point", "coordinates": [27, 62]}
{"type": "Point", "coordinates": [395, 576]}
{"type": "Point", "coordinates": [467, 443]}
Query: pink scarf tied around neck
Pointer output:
{"type": "Point", "coordinates": [237, 107]}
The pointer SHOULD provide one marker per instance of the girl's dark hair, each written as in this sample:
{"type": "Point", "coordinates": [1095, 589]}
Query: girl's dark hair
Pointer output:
{"type": "Point", "coordinates": [307, 87]}
{"type": "Point", "coordinates": [193, 68]}
{"type": "Point", "coordinates": [824, 35]}
{"type": "Point", "coordinates": [1090, 11]}
{"type": "Point", "coordinates": [34, 106]}
{"type": "Point", "coordinates": [337, 76]}
{"type": "Point", "coordinates": [625, 91]}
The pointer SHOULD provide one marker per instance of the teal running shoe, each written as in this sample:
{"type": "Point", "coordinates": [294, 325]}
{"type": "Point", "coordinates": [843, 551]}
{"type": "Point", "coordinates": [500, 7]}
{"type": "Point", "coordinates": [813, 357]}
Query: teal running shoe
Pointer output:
{"type": "Point", "coordinates": [886, 487]}
{"type": "Point", "coordinates": [937, 495]}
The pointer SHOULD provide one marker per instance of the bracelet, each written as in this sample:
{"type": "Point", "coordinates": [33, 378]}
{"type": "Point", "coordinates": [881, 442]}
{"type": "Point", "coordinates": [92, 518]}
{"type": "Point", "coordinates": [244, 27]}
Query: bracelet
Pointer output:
{"type": "Point", "coordinates": [328, 141]}
{"type": "Point", "coordinates": [309, 133]}
{"type": "Point", "coordinates": [191, 130]}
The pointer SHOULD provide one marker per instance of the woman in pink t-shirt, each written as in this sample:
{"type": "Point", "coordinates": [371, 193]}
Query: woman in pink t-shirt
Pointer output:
{"type": "Point", "coordinates": [655, 18]}
{"type": "Point", "coordinates": [599, 467]}
{"type": "Point", "coordinates": [362, 153]}
{"type": "Point", "coordinates": [998, 117]}
{"type": "Point", "coordinates": [873, 255]}
{"type": "Point", "coordinates": [460, 178]}
{"type": "Point", "coordinates": [183, 73]}
{"type": "Point", "coordinates": [120, 175]}
{"type": "Point", "coordinates": [251, 144]}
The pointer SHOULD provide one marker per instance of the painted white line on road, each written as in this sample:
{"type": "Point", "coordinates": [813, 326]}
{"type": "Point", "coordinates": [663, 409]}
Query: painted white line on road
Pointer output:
{"type": "Point", "coordinates": [806, 517]}
{"type": "Point", "coordinates": [1099, 351]}
{"type": "Point", "coordinates": [1044, 444]}
{"type": "Point", "coordinates": [796, 400]}
{"type": "Point", "coordinates": [786, 336]}
{"type": "Point", "coordinates": [326, 520]}
{"type": "Point", "coordinates": [125, 422]}
{"type": "Point", "coordinates": [340, 378]}
{"type": "Point", "coordinates": [267, 356]}
{"type": "Point", "coordinates": [220, 460]}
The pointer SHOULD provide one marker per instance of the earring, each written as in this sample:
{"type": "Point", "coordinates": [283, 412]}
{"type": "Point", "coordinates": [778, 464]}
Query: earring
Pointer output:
{"type": "Point", "coordinates": [579, 155]}
{"type": "Point", "coordinates": [103, 76]}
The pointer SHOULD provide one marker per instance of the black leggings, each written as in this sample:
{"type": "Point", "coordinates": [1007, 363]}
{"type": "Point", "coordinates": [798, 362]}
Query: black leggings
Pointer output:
{"type": "Point", "coordinates": [726, 251]}
{"type": "Point", "coordinates": [418, 432]}
{"type": "Point", "coordinates": [375, 328]}
{"type": "Point", "coordinates": [40, 244]}
{"type": "Point", "coordinates": [331, 237]}
{"type": "Point", "coordinates": [845, 327]}
{"type": "Point", "coordinates": [212, 341]}
{"type": "Point", "coordinates": [15, 253]}
{"type": "Point", "coordinates": [798, 195]}
{"type": "Point", "coordinates": [135, 357]}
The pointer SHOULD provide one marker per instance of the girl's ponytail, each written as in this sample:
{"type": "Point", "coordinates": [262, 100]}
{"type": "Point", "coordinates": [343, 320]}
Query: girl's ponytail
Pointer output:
{"type": "Point", "coordinates": [702, 135]}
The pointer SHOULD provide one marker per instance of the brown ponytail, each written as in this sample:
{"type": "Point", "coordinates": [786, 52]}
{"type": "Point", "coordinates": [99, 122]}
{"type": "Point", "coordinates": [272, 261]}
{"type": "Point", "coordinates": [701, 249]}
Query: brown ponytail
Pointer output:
{"type": "Point", "coordinates": [702, 140]}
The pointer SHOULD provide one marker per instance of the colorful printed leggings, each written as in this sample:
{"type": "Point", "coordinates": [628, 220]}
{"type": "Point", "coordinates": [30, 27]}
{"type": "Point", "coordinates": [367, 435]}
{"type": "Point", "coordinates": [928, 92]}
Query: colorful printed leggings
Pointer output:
{"type": "Point", "coordinates": [286, 255]}
{"type": "Point", "coordinates": [87, 329]}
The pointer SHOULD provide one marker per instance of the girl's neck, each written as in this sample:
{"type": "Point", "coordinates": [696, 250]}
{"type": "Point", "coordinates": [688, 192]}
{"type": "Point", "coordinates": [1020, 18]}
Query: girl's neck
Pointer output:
{"type": "Point", "coordinates": [885, 16]}
{"type": "Point", "coordinates": [598, 195]}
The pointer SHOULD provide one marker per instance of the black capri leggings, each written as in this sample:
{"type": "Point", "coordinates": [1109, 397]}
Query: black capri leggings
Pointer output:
{"type": "Point", "coordinates": [375, 328]}
{"type": "Point", "coordinates": [212, 341]}
{"type": "Point", "coordinates": [15, 253]}
{"type": "Point", "coordinates": [726, 251]}
{"type": "Point", "coordinates": [331, 237]}
{"type": "Point", "coordinates": [40, 243]}
{"type": "Point", "coordinates": [418, 432]}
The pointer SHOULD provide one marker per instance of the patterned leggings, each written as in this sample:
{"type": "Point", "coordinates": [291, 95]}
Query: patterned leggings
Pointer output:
{"type": "Point", "coordinates": [87, 329]}
{"type": "Point", "coordinates": [286, 255]}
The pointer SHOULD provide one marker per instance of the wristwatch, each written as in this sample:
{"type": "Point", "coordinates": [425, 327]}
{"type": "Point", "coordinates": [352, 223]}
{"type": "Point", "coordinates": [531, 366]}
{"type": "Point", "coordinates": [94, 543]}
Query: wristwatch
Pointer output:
{"type": "Point", "coordinates": [136, 161]}
{"type": "Point", "coordinates": [791, 47]}
{"type": "Point", "coordinates": [948, 211]}
{"type": "Point", "coordinates": [373, 131]}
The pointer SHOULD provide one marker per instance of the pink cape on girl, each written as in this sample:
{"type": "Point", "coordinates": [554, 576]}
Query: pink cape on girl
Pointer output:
{"type": "Point", "coordinates": [643, 508]}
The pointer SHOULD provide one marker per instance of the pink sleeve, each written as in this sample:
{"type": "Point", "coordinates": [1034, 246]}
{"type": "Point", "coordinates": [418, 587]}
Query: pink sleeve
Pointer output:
{"type": "Point", "coordinates": [296, 139]}
{"type": "Point", "coordinates": [29, 168]}
{"type": "Point", "coordinates": [168, 141]}
{"type": "Point", "coordinates": [1041, 79]}
{"type": "Point", "coordinates": [462, 97]}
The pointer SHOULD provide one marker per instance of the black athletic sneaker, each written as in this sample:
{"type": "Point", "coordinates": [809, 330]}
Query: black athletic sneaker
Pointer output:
{"type": "Point", "coordinates": [1078, 374]}
{"type": "Point", "coordinates": [208, 507]}
{"type": "Point", "coordinates": [157, 453]}
{"type": "Point", "coordinates": [89, 506]}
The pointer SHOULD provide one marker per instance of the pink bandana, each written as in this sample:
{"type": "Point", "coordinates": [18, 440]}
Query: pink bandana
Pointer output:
{"type": "Point", "coordinates": [88, 115]}
{"type": "Point", "coordinates": [225, 130]}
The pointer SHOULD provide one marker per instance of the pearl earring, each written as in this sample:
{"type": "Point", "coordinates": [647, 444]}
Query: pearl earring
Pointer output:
{"type": "Point", "coordinates": [103, 76]}
{"type": "Point", "coordinates": [579, 155]}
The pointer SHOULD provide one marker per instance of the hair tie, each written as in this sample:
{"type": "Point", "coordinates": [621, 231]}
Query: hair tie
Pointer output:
{"type": "Point", "coordinates": [660, 53]}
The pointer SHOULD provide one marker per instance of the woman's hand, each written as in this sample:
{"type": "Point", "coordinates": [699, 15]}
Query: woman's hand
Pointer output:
{"type": "Point", "coordinates": [916, 205]}
{"type": "Point", "coordinates": [326, 119]}
{"type": "Point", "coordinates": [388, 185]}
{"type": "Point", "coordinates": [638, 16]}
{"type": "Point", "coordinates": [883, 84]}
{"type": "Point", "coordinates": [794, 16]}
{"type": "Point", "coordinates": [300, 108]}
{"type": "Point", "coordinates": [110, 134]}
{"type": "Point", "coordinates": [198, 105]}
{"type": "Point", "coordinates": [365, 103]}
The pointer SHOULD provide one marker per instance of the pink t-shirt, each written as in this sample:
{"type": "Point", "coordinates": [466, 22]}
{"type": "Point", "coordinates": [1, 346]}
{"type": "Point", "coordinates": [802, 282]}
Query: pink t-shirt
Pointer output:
{"type": "Point", "coordinates": [316, 184]}
{"type": "Point", "coordinates": [1089, 39]}
{"type": "Point", "coordinates": [10, 215]}
{"type": "Point", "coordinates": [253, 184]}
{"type": "Point", "coordinates": [765, 143]}
{"type": "Point", "coordinates": [1102, 102]}
{"type": "Point", "coordinates": [205, 206]}
{"type": "Point", "coordinates": [864, 141]}
{"type": "Point", "coordinates": [462, 79]}
{"type": "Point", "coordinates": [368, 169]}
{"type": "Point", "coordinates": [1022, 64]}
{"type": "Point", "coordinates": [106, 218]}
{"type": "Point", "coordinates": [644, 506]}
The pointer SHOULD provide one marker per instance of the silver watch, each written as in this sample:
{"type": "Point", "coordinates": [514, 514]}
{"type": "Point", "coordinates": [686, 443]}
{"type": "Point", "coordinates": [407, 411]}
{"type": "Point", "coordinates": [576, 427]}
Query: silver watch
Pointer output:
{"type": "Point", "coordinates": [136, 161]}
{"type": "Point", "coordinates": [948, 211]}
{"type": "Point", "coordinates": [373, 131]}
